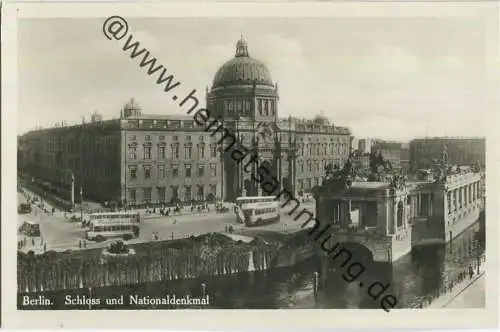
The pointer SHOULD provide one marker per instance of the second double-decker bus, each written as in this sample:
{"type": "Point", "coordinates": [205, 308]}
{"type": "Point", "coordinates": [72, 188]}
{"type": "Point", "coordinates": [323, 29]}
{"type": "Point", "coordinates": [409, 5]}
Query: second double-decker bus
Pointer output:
{"type": "Point", "coordinates": [113, 224]}
{"type": "Point", "coordinates": [253, 211]}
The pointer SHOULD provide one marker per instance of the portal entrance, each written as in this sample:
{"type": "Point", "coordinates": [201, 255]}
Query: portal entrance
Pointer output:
{"type": "Point", "coordinates": [359, 252]}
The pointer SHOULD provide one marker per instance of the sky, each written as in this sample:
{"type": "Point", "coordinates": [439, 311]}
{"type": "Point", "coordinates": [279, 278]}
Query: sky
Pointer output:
{"type": "Point", "coordinates": [389, 78]}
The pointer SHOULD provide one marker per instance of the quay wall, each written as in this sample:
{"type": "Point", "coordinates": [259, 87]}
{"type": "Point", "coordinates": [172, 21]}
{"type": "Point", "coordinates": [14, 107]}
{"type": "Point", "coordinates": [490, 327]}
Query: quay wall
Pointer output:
{"type": "Point", "coordinates": [203, 256]}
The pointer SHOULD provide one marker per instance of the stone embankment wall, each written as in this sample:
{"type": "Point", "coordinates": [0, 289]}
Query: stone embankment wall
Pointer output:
{"type": "Point", "coordinates": [206, 255]}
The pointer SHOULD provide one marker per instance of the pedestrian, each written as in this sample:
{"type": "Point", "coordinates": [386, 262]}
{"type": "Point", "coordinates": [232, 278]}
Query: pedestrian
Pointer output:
{"type": "Point", "coordinates": [45, 247]}
{"type": "Point", "coordinates": [33, 241]}
{"type": "Point", "coordinates": [84, 244]}
{"type": "Point", "coordinates": [80, 244]}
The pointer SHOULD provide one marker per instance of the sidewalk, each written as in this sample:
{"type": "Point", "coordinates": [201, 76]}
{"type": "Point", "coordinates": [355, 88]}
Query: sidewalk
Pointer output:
{"type": "Point", "coordinates": [185, 213]}
{"type": "Point", "coordinates": [443, 300]}
{"type": "Point", "coordinates": [77, 212]}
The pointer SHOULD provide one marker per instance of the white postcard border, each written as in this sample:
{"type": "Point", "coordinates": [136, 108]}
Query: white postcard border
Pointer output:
{"type": "Point", "coordinates": [236, 319]}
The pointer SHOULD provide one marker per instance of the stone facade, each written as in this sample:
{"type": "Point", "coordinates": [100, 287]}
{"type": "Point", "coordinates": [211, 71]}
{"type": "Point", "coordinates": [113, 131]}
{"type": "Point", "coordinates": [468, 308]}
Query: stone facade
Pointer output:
{"type": "Point", "coordinates": [461, 151]}
{"type": "Point", "coordinates": [389, 219]}
{"type": "Point", "coordinates": [394, 152]}
{"type": "Point", "coordinates": [372, 214]}
{"type": "Point", "coordinates": [90, 151]}
{"type": "Point", "coordinates": [143, 158]}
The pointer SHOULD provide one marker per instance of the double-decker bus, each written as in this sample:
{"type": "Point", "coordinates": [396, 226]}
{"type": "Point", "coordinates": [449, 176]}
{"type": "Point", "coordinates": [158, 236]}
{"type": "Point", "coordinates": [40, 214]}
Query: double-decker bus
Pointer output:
{"type": "Point", "coordinates": [113, 224]}
{"type": "Point", "coordinates": [257, 210]}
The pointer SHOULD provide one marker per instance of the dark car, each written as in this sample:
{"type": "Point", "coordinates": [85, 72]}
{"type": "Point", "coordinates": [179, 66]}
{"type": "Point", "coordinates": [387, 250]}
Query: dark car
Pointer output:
{"type": "Point", "coordinates": [24, 208]}
{"type": "Point", "coordinates": [30, 228]}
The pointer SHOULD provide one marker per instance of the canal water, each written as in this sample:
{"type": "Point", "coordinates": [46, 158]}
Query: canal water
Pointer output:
{"type": "Point", "coordinates": [310, 284]}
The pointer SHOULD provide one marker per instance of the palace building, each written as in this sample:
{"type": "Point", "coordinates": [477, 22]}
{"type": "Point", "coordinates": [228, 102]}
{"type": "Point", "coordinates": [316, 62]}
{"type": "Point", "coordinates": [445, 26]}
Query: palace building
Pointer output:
{"type": "Point", "coordinates": [461, 151]}
{"type": "Point", "coordinates": [141, 158]}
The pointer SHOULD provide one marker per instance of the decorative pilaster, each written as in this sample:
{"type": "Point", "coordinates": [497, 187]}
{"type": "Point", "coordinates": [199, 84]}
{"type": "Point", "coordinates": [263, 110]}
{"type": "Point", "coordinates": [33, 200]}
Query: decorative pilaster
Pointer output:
{"type": "Point", "coordinates": [455, 196]}
{"type": "Point", "coordinates": [414, 206]}
{"type": "Point", "coordinates": [429, 205]}
{"type": "Point", "coordinates": [465, 196]}
{"type": "Point", "coordinates": [419, 207]}
{"type": "Point", "coordinates": [395, 219]}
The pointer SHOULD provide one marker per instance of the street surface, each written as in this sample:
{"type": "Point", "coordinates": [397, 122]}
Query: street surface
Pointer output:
{"type": "Point", "coordinates": [473, 296]}
{"type": "Point", "coordinates": [59, 234]}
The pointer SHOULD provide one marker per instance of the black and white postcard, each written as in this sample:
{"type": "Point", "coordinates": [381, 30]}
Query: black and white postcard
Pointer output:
{"type": "Point", "coordinates": [327, 159]}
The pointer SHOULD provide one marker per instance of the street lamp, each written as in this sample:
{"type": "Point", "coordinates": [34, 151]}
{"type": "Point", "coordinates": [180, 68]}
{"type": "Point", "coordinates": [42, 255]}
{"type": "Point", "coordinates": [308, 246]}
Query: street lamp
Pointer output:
{"type": "Point", "coordinates": [81, 203]}
{"type": "Point", "coordinates": [477, 251]}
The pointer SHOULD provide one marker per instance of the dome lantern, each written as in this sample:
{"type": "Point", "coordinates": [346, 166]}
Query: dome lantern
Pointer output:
{"type": "Point", "coordinates": [241, 48]}
{"type": "Point", "coordinates": [131, 109]}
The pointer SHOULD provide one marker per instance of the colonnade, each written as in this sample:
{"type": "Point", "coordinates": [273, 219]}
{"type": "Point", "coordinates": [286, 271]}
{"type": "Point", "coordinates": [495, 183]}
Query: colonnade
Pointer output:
{"type": "Point", "coordinates": [462, 197]}
{"type": "Point", "coordinates": [338, 211]}
{"type": "Point", "coordinates": [420, 205]}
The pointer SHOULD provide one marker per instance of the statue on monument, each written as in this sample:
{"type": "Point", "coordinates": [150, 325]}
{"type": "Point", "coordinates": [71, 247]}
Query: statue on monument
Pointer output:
{"type": "Point", "coordinates": [444, 169]}
{"type": "Point", "coordinates": [337, 178]}
{"type": "Point", "coordinates": [398, 182]}
{"type": "Point", "coordinates": [378, 165]}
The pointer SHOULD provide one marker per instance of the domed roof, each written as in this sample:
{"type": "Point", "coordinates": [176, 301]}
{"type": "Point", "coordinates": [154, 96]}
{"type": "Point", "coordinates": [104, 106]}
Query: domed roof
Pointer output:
{"type": "Point", "coordinates": [132, 106]}
{"type": "Point", "coordinates": [242, 69]}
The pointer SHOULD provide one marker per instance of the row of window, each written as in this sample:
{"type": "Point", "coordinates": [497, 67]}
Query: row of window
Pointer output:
{"type": "Point", "coordinates": [316, 165]}
{"type": "Point", "coordinates": [162, 171]}
{"type": "Point", "coordinates": [162, 138]}
{"type": "Point", "coordinates": [309, 183]}
{"type": "Point", "coordinates": [322, 149]}
{"type": "Point", "coordinates": [74, 144]}
{"type": "Point", "coordinates": [201, 138]}
{"type": "Point", "coordinates": [265, 107]}
{"type": "Point", "coordinates": [112, 228]}
{"type": "Point", "coordinates": [201, 149]}
{"type": "Point", "coordinates": [171, 124]}
{"type": "Point", "coordinates": [174, 151]}
{"type": "Point", "coordinates": [259, 212]}
{"type": "Point", "coordinates": [112, 216]}
{"type": "Point", "coordinates": [101, 143]}
{"type": "Point", "coordinates": [186, 193]}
